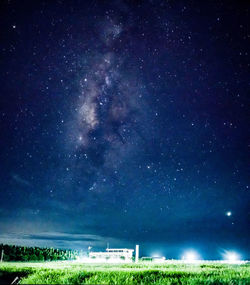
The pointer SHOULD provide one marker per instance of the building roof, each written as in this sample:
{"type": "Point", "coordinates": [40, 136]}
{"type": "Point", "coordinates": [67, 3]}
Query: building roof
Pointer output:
{"type": "Point", "coordinates": [119, 250]}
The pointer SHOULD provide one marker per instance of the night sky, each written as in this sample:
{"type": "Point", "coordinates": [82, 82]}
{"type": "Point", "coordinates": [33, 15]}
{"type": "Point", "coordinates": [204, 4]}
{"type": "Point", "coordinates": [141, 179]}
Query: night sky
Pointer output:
{"type": "Point", "coordinates": [125, 122]}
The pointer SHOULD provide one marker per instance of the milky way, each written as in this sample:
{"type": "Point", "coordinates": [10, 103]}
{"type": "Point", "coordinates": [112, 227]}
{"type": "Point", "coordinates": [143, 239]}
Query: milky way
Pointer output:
{"type": "Point", "coordinates": [110, 112]}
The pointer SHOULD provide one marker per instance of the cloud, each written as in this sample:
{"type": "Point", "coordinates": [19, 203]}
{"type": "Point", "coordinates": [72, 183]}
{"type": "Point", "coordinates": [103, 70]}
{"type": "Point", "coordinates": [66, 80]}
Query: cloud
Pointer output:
{"type": "Point", "coordinates": [20, 180]}
{"type": "Point", "coordinates": [63, 236]}
{"type": "Point", "coordinates": [58, 240]}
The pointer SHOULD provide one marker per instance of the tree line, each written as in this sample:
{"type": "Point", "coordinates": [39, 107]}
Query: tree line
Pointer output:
{"type": "Point", "coordinates": [24, 253]}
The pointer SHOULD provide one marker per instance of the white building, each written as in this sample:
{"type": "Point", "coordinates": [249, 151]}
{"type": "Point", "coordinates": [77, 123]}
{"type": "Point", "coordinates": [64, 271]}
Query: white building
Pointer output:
{"type": "Point", "coordinates": [113, 255]}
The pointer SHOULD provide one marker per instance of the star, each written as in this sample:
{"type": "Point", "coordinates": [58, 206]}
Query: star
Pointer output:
{"type": "Point", "coordinates": [229, 213]}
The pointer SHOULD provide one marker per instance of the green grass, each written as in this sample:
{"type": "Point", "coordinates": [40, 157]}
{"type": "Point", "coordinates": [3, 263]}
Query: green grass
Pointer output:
{"type": "Point", "coordinates": [168, 273]}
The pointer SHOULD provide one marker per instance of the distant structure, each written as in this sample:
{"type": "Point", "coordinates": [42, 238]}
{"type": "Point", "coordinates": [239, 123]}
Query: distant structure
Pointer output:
{"type": "Point", "coordinates": [136, 253]}
{"type": "Point", "coordinates": [113, 255]}
{"type": "Point", "coordinates": [158, 259]}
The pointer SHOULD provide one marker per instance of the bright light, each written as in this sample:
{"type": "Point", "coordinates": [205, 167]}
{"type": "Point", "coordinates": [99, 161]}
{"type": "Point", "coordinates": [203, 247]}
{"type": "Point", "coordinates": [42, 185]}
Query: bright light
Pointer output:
{"type": "Point", "coordinates": [229, 213]}
{"type": "Point", "coordinates": [231, 256]}
{"type": "Point", "coordinates": [191, 256]}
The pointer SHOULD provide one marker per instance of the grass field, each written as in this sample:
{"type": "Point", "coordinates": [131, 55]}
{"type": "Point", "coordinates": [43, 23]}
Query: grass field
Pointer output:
{"type": "Point", "coordinates": [141, 273]}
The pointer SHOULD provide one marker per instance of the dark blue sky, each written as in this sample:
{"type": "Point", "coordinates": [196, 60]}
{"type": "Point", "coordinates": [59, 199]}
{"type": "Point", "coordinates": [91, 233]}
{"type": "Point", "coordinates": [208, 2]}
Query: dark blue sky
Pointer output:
{"type": "Point", "coordinates": [125, 122]}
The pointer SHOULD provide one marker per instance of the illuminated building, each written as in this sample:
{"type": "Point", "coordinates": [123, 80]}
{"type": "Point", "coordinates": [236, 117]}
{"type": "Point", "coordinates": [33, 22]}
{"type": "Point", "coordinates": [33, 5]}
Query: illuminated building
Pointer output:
{"type": "Point", "coordinates": [113, 255]}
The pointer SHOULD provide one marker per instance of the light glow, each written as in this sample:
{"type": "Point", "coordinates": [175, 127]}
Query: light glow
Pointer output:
{"type": "Point", "coordinates": [191, 256]}
{"type": "Point", "coordinates": [231, 256]}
